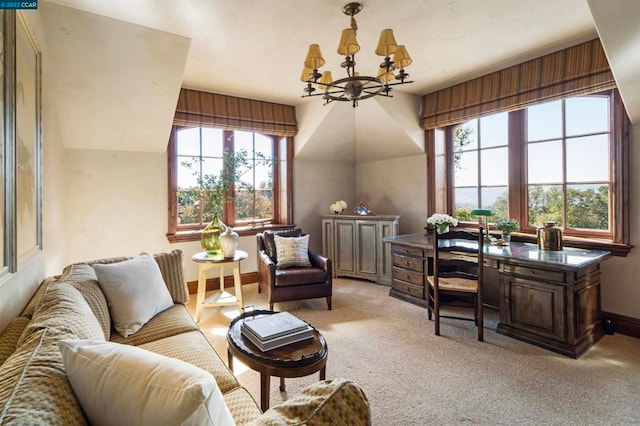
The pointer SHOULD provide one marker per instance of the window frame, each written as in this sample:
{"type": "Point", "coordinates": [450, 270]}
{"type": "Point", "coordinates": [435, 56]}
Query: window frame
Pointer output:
{"type": "Point", "coordinates": [440, 195]}
{"type": "Point", "coordinates": [282, 148]}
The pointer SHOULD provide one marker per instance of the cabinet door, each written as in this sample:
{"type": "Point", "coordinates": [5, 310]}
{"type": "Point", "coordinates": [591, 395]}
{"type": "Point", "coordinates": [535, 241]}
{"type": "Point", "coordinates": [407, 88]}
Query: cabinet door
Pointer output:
{"type": "Point", "coordinates": [367, 247]}
{"type": "Point", "coordinates": [534, 306]}
{"type": "Point", "coordinates": [385, 229]}
{"type": "Point", "coordinates": [345, 249]}
{"type": "Point", "coordinates": [327, 238]}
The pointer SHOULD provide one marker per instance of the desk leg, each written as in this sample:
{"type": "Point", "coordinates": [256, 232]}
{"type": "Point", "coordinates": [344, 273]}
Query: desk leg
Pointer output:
{"type": "Point", "coordinates": [202, 287]}
{"type": "Point", "coordinates": [265, 382]}
{"type": "Point", "coordinates": [237, 282]}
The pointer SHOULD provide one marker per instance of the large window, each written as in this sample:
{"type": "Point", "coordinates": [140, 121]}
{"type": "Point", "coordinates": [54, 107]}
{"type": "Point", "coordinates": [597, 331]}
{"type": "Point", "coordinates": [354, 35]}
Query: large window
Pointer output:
{"type": "Point", "coordinates": [562, 161]}
{"type": "Point", "coordinates": [255, 202]}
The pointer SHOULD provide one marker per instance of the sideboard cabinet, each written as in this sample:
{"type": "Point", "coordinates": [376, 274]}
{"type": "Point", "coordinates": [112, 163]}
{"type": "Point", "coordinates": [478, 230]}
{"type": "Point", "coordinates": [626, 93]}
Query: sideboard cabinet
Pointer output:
{"type": "Point", "coordinates": [355, 245]}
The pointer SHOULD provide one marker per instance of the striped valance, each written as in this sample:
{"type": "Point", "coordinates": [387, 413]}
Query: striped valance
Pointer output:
{"type": "Point", "coordinates": [197, 108]}
{"type": "Point", "coordinates": [578, 70]}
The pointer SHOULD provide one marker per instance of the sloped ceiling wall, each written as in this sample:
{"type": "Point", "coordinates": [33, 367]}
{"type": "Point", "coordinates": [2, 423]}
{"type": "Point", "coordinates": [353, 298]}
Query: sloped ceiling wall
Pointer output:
{"type": "Point", "coordinates": [116, 83]}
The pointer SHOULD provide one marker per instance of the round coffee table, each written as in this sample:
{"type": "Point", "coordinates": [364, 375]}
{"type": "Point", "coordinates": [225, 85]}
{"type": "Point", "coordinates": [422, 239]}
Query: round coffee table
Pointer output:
{"type": "Point", "coordinates": [294, 360]}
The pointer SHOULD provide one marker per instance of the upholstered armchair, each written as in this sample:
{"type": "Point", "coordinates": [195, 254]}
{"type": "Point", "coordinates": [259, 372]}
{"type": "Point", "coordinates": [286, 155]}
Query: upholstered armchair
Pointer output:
{"type": "Point", "coordinates": [291, 283]}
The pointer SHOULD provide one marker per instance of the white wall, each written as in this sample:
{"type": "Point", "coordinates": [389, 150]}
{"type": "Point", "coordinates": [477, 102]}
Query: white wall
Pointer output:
{"type": "Point", "coordinates": [396, 186]}
{"type": "Point", "coordinates": [317, 185]}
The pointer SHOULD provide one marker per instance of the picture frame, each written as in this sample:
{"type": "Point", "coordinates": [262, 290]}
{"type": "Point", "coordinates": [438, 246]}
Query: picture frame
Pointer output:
{"type": "Point", "coordinates": [363, 209]}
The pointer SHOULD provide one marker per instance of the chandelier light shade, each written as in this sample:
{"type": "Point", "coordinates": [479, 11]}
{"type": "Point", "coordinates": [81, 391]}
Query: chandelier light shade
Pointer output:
{"type": "Point", "coordinates": [354, 87]}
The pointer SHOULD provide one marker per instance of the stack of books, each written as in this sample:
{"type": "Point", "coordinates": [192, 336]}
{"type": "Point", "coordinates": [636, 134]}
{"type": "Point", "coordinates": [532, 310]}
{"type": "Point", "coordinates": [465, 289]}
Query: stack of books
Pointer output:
{"type": "Point", "coordinates": [275, 330]}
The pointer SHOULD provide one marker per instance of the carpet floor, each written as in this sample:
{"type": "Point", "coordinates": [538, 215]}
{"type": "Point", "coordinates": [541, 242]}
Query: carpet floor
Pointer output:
{"type": "Point", "coordinates": [412, 377]}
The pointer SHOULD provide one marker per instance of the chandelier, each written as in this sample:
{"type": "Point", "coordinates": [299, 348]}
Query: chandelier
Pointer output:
{"type": "Point", "coordinates": [355, 87]}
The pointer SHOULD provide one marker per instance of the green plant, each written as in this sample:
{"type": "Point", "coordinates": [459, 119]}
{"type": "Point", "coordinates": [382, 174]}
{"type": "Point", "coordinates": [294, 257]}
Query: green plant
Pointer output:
{"type": "Point", "coordinates": [507, 225]}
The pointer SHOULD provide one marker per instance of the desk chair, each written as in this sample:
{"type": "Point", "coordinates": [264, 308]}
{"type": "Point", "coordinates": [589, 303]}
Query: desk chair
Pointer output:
{"type": "Point", "coordinates": [457, 276]}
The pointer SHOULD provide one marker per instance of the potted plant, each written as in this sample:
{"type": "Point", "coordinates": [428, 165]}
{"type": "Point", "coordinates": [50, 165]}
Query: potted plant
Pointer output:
{"type": "Point", "coordinates": [442, 222]}
{"type": "Point", "coordinates": [507, 226]}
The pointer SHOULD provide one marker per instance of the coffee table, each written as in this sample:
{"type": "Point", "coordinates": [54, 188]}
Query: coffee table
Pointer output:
{"type": "Point", "coordinates": [295, 360]}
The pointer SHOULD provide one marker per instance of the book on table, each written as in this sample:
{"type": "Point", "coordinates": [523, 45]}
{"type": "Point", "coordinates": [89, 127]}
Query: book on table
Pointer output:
{"type": "Point", "coordinates": [276, 330]}
{"type": "Point", "coordinates": [277, 342]}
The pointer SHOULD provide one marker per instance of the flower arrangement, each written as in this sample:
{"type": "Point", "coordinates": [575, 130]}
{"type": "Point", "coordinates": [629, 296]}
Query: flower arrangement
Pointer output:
{"type": "Point", "coordinates": [442, 222]}
{"type": "Point", "coordinates": [338, 206]}
{"type": "Point", "coordinates": [507, 226]}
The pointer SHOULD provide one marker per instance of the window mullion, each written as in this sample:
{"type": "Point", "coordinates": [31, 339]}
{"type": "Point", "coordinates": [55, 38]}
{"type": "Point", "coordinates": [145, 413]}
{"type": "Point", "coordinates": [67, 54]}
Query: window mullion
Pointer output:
{"type": "Point", "coordinates": [517, 187]}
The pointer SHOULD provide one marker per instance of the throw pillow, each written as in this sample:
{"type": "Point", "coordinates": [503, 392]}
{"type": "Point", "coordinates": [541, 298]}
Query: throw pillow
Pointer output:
{"type": "Point", "coordinates": [135, 292]}
{"type": "Point", "coordinates": [270, 244]}
{"type": "Point", "coordinates": [122, 384]}
{"type": "Point", "coordinates": [292, 251]}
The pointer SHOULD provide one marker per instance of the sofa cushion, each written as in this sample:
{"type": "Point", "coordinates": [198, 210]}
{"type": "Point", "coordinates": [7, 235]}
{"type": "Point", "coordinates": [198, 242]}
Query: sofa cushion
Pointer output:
{"type": "Point", "coordinates": [35, 299]}
{"type": "Point", "coordinates": [83, 278]}
{"type": "Point", "coordinates": [171, 267]}
{"type": "Point", "coordinates": [135, 292]}
{"type": "Point", "coordinates": [121, 384]}
{"type": "Point", "coordinates": [174, 320]}
{"type": "Point", "coordinates": [35, 389]}
{"type": "Point", "coordinates": [66, 313]}
{"type": "Point", "coordinates": [292, 251]}
{"type": "Point", "coordinates": [10, 336]}
{"type": "Point", "coordinates": [299, 276]}
{"type": "Point", "coordinates": [242, 406]}
{"type": "Point", "coordinates": [194, 348]}
{"type": "Point", "coordinates": [270, 244]}
{"type": "Point", "coordinates": [326, 403]}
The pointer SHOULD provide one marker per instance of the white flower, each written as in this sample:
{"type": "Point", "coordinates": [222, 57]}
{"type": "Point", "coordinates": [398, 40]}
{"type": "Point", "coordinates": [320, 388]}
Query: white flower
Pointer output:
{"type": "Point", "coordinates": [342, 204]}
{"type": "Point", "coordinates": [442, 219]}
{"type": "Point", "coordinates": [335, 208]}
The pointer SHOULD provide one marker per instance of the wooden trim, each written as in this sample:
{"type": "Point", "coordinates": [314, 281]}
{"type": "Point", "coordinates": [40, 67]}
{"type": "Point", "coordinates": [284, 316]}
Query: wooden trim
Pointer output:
{"type": "Point", "coordinates": [622, 324]}
{"type": "Point", "coordinates": [194, 235]}
{"type": "Point", "coordinates": [172, 181]}
{"type": "Point", "coordinates": [214, 283]}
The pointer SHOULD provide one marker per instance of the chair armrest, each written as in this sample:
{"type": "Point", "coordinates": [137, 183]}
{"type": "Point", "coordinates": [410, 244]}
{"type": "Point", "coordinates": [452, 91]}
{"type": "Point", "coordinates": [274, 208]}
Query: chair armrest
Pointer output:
{"type": "Point", "coordinates": [264, 257]}
{"type": "Point", "coordinates": [319, 261]}
{"type": "Point", "coordinates": [329, 402]}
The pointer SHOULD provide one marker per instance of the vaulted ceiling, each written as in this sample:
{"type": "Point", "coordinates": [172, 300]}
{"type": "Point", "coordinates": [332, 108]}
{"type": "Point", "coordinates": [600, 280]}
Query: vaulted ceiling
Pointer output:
{"type": "Point", "coordinates": [118, 64]}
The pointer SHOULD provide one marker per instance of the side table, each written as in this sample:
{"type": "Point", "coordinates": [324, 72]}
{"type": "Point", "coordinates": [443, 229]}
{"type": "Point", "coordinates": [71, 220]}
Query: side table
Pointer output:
{"type": "Point", "coordinates": [295, 360]}
{"type": "Point", "coordinates": [220, 298]}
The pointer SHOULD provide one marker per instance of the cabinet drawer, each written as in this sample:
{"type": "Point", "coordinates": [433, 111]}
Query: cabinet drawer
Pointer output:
{"type": "Point", "coordinates": [533, 273]}
{"type": "Point", "coordinates": [408, 288]}
{"type": "Point", "coordinates": [411, 263]}
{"type": "Point", "coordinates": [409, 276]}
{"type": "Point", "coordinates": [406, 251]}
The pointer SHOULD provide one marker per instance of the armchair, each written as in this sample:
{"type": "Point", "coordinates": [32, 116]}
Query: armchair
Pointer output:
{"type": "Point", "coordinates": [295, 283]}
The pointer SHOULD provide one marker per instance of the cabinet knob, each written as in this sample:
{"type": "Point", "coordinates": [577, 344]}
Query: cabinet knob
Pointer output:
{"type": "Point", "coordinates": [532, 272]}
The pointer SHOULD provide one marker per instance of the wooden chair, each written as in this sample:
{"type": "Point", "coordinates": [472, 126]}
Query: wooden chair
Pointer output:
{"type": "Point", "coordinates": [457, 276]}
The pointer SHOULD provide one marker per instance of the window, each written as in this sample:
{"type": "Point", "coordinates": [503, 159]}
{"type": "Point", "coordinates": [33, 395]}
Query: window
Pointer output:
{"type": "Point", "coordinates": [195, 152]}
{"type": "Point", "coordinates": [563, 160]}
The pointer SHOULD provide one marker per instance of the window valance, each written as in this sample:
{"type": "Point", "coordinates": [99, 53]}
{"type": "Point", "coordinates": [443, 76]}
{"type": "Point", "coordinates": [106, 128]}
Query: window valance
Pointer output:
{"type": "Point", "coordinates": [575, 71]}
{"type": "Point", "coordinates": [197, 108]}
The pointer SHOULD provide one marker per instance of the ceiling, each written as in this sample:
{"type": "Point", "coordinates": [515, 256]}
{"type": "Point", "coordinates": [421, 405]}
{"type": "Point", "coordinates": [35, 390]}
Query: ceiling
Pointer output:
{"type": "Point", "coordinates": [256, 48]}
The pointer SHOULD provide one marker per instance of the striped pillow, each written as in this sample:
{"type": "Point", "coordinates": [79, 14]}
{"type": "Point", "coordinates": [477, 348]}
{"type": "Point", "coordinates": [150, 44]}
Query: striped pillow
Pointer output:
{"type": "Point", "coordinates": [292, 251]}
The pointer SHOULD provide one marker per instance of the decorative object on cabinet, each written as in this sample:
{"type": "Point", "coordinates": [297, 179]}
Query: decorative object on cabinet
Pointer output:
{"type": "Point", "coordinates": [292, 283]}
{"type": "Point", "coordinates": [338, 206]}
{"type": "Point", "coordinates": [355, 244]}
{"type": "Point", "coordinates": [363, 209]}
{"type": "Point", "coordinates": [507, 226]}
{"type": "Point", "coordinates": [457, 276]}
{"type": "Point", "coordinates": [442, 222]}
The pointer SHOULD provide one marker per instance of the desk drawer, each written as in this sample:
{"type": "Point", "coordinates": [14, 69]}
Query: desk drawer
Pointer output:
{"type": "Point", "coordinates": [533, 273]}
{"type": "Point", "coordinates": [413, 277]}
{"type": "Point", "coordinates": [411, 263]}
{"type": "Point", "coordinates": [407, 251]}
{"type": "Point", "coordinates": [408, 288]}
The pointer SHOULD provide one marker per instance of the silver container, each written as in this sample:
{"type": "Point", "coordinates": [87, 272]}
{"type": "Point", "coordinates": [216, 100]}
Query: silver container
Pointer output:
{"type": "Point", "coordinates": [549, 236]}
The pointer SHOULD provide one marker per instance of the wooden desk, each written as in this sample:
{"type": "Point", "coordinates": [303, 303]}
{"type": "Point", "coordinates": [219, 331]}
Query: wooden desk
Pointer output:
{"type": "Point", "coordinates": [220, 298]}
{"type": "Point", "coordinates": [548, 298]}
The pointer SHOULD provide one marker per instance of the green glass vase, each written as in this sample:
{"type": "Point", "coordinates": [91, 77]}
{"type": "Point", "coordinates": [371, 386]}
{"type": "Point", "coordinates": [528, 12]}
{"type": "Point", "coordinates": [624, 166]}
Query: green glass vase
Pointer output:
{"type": "Point", "coordinates": [210, 238]}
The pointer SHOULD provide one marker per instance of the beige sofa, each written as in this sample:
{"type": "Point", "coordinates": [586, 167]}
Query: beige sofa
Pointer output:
{"type": "Point", "coordinates": [35, 389]}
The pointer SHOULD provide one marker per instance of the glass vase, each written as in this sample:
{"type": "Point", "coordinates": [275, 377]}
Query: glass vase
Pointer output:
{"type": "Point", "coordinates": [210, 238]}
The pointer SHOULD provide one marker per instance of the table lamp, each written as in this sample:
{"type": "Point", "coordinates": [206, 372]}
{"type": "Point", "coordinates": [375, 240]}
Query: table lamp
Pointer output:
{"type": "Point", "coordinates": [485, 213]}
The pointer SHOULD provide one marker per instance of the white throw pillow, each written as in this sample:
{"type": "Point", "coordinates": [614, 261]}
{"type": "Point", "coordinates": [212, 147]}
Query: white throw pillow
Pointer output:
{"type": "Point", "coordinates": [292, 251]}
{"type": "Point", "coordinates": [126, 385]}
{"type": "Point", "coordinates": [135, 292]}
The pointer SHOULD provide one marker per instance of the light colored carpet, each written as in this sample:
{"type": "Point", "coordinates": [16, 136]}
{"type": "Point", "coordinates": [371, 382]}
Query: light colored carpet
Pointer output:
{"type": "Point", "coordinates": [412, 377]}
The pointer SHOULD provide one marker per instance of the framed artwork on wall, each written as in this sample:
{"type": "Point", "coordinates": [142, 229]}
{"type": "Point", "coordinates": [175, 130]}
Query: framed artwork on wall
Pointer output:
{"type": "Point", "coordinates": [363, 209]}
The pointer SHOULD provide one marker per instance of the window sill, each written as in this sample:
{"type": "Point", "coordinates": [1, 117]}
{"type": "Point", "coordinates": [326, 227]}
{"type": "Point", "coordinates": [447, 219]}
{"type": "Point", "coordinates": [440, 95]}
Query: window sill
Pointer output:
{"type": "Point", "coordinates": [616, 249]}
{"type": "Point", "coordinates": [194, 235]}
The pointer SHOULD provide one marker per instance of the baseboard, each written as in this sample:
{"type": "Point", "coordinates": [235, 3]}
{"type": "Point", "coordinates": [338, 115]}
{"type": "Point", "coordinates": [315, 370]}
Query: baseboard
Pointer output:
{"type": "Point", "coordinates": [214, 283]}
{"type": "Point", "coordinates": [624, 325]}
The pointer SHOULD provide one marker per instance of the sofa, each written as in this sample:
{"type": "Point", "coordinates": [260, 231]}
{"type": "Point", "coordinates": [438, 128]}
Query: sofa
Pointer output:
{"type": "Point", "coordinates": [72, 309]}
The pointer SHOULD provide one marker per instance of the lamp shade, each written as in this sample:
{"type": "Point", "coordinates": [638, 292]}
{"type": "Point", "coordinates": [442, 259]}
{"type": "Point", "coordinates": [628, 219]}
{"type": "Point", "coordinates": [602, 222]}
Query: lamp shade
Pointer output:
{"type": "Point", "coordinates": [482, 212]}
{"type": "Point", "coordinates": [306, 74]}
{"type": "Point", "coordinates": [314, 58]}
{"type": "Point", "coordinates": [401, 58]}
{"type": "Point", "coordinates": [348, 42]}
{"type": "Point", "coordinates": [387, 43]}
{"type": "Point", "coordinates": [385, 76]}
{"type": "Point", "coordinates": [326, 80]}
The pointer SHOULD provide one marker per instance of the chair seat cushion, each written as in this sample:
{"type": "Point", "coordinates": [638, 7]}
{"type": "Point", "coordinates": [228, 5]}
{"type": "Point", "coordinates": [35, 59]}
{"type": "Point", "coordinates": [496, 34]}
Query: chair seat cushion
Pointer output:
{"type": "Point", "coordinates": [299, 276]}
{"type": "Point", "coordinates": [455, 284]}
